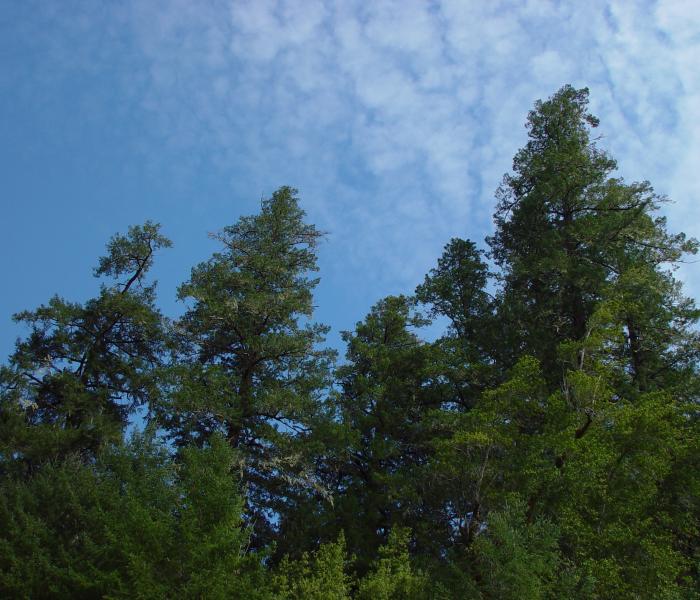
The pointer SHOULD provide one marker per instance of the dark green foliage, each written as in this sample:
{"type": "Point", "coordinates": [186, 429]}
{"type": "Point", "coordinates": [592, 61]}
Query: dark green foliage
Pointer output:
{"type": "Point", "coordinates": [513, 558]}
{"type": "Point", "coordinates": [456, 289]}
{"type": "Point", "coordinates": [545, 446]}
{"type": "Point", "coordinates": [248, 364]}
{"type": "Point", "coordinates": [469, 352]}
{"type": "Point", "coordinates": [72, 383]}
{"type": "Point", "coordinates": [381, 445]}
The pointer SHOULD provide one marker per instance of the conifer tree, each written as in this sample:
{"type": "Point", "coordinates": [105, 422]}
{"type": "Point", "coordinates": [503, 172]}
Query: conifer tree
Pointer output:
{"type": "Point", "coordinates": [379, 450]}
{"type": "Point", "coordinates": [249, 366]}
{"type": "Point", "coordinates": [587, 291]}
{"type": "Point", "coordinates": [72, 384]}
{"type": "Point", "coordinates": [567, 230]}
{"type": "Point", "coordinates": [456, 289]}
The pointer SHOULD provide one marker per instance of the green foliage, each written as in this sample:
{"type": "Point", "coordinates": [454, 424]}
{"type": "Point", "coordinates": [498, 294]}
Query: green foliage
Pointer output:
{"type": "Point", "coordinates": [320, 576]}
{"type": "Point", "coordinates": [456, 289]}
{"type": "Point", "coordinates": [545, 446]}
{"type": "Point", "coordinates": [566, 232]}
{"type": "Point", "coordinates": [380, 441]}
{"type": "Point", "coordinates": [327, 574]}
{"type": "Point", "coordinates": [392, 576]}
{"type": "Point", "coordinates": [248, 363]}
{"type": "Point", "coordinates": [512, 558]}
{"type": "Point", "coordinates": [72, 384]}
{"type": "Point", "coordinates": [132, 525]}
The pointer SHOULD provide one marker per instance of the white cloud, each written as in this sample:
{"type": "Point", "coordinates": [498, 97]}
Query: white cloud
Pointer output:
{"type": "Point", "coordinates": [397, 118]}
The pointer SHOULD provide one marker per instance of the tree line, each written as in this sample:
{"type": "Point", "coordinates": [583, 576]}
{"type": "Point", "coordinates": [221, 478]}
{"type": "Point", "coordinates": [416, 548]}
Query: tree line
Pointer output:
{"type": "Point", "coordinates": [544, 446]}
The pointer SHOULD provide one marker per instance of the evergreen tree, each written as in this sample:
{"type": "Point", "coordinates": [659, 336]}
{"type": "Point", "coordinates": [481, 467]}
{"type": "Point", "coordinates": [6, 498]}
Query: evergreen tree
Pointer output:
{"type": "Point", "coordinates": [512, 558]}
{"type": "Point", "coordinates": [72, 384]}
{"type": "Point", "coordinates": [392, 577]}
{"type": "Point", "coordinates": [587, 290]}
{"type": "Point", "coordinates": [456, 289]}
{"type": "Point", "coordinates": [133, 524]}
{"type": "Point", "coordinates": [566, 230]}
{"type": "Point", "coordinates": [249, 365]}
{"type": "Point", "coordinates": [381, 441]}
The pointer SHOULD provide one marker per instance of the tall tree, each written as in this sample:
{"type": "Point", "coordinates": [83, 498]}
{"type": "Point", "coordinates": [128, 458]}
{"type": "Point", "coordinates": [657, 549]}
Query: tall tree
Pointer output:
{"type": "Point", "coordinates": [72, 384]}
{"type": "Point", "coordinates": [588, 291]}
{"type": "Point", "coordinates": [566, 230]}
{"type": "Point", "coordinates": [249, 364]}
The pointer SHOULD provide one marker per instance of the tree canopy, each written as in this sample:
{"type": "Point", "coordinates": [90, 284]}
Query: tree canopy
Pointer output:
{"type": "Point", "coordinates": [545, 445]}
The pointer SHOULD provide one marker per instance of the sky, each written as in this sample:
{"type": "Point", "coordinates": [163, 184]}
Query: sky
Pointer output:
{"type": "Point", "coordinates": [395, 121]}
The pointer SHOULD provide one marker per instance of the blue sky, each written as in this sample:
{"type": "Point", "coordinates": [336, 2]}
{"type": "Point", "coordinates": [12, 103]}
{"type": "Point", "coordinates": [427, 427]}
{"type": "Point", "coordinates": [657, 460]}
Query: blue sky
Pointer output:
{"type": "Point", "coordinates": [395, 120]}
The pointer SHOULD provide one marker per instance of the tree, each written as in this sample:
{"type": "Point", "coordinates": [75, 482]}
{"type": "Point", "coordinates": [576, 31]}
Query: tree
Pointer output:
{"type": "Point", "coordinates": [133, 524]}
{"type": "Point", "coordinates": [566, 231]}
{"type": "Point", "coordinates": [72, 384]}
{"type": "Point", "coordinates": [588, 291]}
{"type": "Point", "coordinates": [378, 448]}
{"type": "Point", "coordinates": [249, 366]}
{"type": "Point", "coordinates": [456, 289]}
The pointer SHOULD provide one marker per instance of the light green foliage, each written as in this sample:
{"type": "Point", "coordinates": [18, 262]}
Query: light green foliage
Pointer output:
{"type": "Point", "coordinates": [608, 500]}
{"type": "Point", "coordinates": [327, 574]}
{"type": "Point", "coordinates": [392, 577]}
{"type": "Point", "coordinates": [318, 576]}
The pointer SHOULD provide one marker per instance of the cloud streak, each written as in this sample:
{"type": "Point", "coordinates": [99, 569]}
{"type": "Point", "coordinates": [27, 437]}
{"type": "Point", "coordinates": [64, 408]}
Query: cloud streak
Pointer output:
{"type": "Point", "coordinates": [395, 119]}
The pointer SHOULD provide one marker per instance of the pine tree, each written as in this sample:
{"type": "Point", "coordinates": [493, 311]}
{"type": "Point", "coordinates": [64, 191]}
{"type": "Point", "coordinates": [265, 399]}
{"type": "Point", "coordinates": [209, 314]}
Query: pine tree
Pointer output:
{"type": "Point", "coordinates": [72, 384]}
{"type": "Point", "coordinates": [567, 230]}
{"type": "Point", "coordinates": [379, 449]}
{"type": "Point", "coordinates": [249, 365]}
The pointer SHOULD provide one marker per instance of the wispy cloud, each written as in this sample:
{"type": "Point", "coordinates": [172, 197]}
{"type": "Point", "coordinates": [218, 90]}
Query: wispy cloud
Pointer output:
{"type": "Point", "coordinates": [397, 119]}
